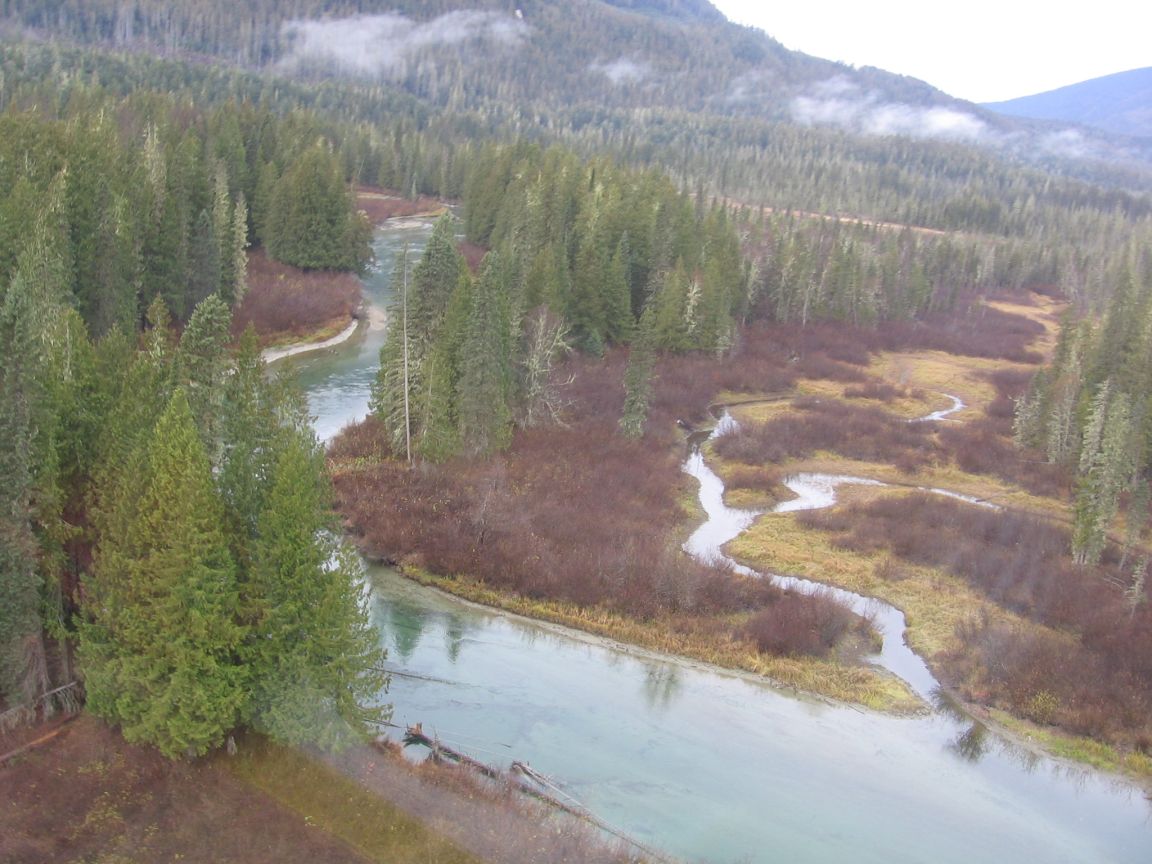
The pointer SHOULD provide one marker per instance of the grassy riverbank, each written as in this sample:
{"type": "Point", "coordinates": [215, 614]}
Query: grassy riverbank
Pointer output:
{"type": "Point", "coordinates": [696, 641]}
{"type": "Point", "coordinates": [88, 796]}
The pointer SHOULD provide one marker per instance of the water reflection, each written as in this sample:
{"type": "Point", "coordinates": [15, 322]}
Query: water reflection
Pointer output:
{"type": "Point", "coordinates": [404, 625]}
{"type": "Point", "coordinates": [971, 744]}
{"type": "Point", "coordinates": [453, 638]}
{"type": "Point", "coordinates": [661, 684]}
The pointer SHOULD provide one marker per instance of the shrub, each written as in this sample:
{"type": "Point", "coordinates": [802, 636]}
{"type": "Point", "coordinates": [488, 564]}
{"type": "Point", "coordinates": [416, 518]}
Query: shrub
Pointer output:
{"type": "Point", "coordinates": [810, 625]}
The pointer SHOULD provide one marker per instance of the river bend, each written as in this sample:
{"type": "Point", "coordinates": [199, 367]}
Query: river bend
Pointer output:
{"type": "Point", "coordinates": [702, 763]}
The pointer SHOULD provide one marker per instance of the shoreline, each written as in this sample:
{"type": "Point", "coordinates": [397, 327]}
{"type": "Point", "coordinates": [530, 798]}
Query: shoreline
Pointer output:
{"type": "Point", "coordinates": [272, 355]}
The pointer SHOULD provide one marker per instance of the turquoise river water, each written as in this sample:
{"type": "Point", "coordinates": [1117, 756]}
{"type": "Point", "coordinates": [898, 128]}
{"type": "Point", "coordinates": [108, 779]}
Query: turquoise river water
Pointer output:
{"type": "Point", "coordinates": [700, 763]}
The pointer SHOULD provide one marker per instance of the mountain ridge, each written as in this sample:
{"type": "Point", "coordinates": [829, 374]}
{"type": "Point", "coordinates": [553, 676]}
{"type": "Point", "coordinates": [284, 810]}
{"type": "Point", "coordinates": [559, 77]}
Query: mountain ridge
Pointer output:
{"type": "Point", "coordinates": [583, 61]}
{"type": "Point", "coordinates": [1120, 103]}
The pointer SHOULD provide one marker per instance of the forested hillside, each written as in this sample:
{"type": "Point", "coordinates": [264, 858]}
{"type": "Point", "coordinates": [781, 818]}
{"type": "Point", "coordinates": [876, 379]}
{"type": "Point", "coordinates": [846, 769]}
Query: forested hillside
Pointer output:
{"type": "Point", "coordinates": [607, 64]}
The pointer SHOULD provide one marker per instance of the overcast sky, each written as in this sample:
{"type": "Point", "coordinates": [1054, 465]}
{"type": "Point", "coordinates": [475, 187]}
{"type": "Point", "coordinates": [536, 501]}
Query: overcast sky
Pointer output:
{"type": "Point", "coordinates": [980, 50]}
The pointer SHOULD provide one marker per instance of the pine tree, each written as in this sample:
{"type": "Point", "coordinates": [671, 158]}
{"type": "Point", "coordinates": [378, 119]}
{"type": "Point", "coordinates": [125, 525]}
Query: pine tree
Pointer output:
{"type": "Point", "coordinates": [159, 648]}
{"type": "Point", "coordinates": [1106, 464]}
{"type": "Point", "coordinates": [251, 414]}
{"type": "Point", "coordinates": [439, 401]}
{"type": "Point", "coordinates": [313, 657]}
{"type": "Point", "coordinates": [36, 355]}
{"type": "Point", "coordinates": [201, 364]}
{"type": "Point", "coordinates": [203, 260]}
{"type": "Point", "coordinates": [484, 393]}
{"type": "Point", "coordinates": [311, 222]}
{"type": "Point", "coordinates": [222, 231]}
{"type": "Point", "coordinates": [638, 377]}
{"type": "Point", "coordinates": [238, 252]}
{"type": "Point", "coordinates": [20, 579]}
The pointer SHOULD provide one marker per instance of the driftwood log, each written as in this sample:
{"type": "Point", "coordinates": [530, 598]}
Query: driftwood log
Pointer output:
{"type": "Point", "coordinates": [525, 779]}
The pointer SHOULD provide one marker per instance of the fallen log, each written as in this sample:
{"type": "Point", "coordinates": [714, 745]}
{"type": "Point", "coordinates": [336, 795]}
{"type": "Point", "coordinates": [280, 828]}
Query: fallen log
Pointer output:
{"type": "Point", "coordinates": [522, 777]}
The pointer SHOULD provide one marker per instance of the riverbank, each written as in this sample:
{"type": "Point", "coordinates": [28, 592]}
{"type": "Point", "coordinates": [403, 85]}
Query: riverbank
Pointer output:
{"type": "Point", "coordinates": [573, 525]}
{"type": "Point", "coordinates": [272, 355]}
{"type": "Point", "coordinates": [269, 805]}
{"type": "Point", "coordinates": [820, 679]}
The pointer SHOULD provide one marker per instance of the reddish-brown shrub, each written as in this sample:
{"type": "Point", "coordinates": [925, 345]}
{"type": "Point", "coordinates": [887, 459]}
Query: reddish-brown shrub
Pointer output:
{"type": "Point", "coordinates": [856, 431]}
{"type": "Point", "coordinates": [803, 625]}
{"type": "Point", "coordinates": [984, 332]}
{"type": "Point", "coordinates": [879, 390]}
{"type": "Point", "coordinates": [983, 448]}
{"type": "Point", "coordinates": [762, 479]}
{"type": "Point", "coordinates": [284, 302]}
{"type": "Point", "coordinates": [1095, 678]}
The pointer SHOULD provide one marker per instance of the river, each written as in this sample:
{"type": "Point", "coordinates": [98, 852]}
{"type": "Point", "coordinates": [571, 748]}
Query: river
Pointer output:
{"type": "Point", "coordinates": [701, 763]}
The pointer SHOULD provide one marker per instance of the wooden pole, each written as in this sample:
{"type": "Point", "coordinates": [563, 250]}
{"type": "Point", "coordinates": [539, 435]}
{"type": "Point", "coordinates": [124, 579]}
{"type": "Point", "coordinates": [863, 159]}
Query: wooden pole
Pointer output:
{"type": "Point", "coordinates": [404, 302]}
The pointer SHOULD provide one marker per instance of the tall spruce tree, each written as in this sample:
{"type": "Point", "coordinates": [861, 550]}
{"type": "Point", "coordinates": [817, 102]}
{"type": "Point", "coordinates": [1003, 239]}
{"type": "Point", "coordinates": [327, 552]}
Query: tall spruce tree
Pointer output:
{"type": "Point", "coordinates": [638, 376]}
{"type": "Point", "coordinates": [160, 644]}
{"type": "Point", "coordinates": [313, 657]}
{"type": "Point", "coordinates": [485, 380]}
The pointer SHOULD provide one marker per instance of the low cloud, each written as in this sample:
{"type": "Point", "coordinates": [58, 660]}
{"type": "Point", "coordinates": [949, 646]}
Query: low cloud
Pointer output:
{"type": "Point", "coordinates": [622, 70]}
{"type": "Point", "coordinates": [839, 102]}
{"type": "Point", "coordinates": [1068, 144]}
{"type": "Point", "coordinates": [377, 44]}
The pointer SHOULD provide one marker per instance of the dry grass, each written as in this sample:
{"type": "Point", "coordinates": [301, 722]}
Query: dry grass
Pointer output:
{"type": "Point", "coordinates": [87, 796]}
{"type": "Point", "coordinates": [381, 204]}
{"type": "Point", "coordinates": [376, 828]}
{"type": "Point", "coordinates": [697, 640]}
{"type": "Point", "coordinates": [932, 601]}
{"type": "Point", "coordinates": [1058, 656]}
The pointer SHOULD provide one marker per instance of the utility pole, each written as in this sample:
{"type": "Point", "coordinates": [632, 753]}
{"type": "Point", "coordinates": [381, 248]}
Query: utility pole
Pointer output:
{"type": "Point", "coordinates": [404, 305]}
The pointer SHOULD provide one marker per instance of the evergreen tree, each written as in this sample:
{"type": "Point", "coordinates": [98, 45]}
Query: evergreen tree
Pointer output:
{"type": "Point", "coordinates": [159, 647]}
{"type": "Point", "coordinates": [638, 377]}
{"type": "Point", "coordinates": [313, 657]}
{"type": "Point", "coordinates": [21, 651]}
{"type": "Point", "coordinates": [238, 252]}
{"type": "Point", "coordinates": [311, 222]}
{"type": "Point", "coordinates": [1106, 465]}
{"type": "Point", "coordinates": [484, 392]}
{"type": "Point", "coordinates": [204, 271]}
{"type": "Point", "coordinates": [201, 364]}
{"type": "Point", "coordinates": [251, 414]}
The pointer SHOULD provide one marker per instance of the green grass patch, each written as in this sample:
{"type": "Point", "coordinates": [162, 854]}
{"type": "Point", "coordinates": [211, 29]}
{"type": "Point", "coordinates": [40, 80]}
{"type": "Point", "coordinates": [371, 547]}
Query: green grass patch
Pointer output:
{"type": "Point", "coordinates": [1086, 751]}
{"type": "Point", "coordinates": [338, 805]}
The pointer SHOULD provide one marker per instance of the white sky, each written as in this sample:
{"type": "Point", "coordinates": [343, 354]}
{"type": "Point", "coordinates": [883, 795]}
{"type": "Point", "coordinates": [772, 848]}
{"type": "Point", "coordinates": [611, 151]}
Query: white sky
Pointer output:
{"type": "Point", "coordinates": [980, 50]}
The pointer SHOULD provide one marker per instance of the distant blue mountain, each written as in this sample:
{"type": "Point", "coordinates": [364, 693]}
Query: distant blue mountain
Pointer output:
{"type": "Point", "coordinates": [1120, 103]}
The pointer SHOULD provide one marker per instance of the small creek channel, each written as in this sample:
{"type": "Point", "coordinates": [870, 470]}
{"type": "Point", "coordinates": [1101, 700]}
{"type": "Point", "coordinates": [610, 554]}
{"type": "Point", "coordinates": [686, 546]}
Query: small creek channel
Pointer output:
{"type": "Point", "coordinates": [705, 764]}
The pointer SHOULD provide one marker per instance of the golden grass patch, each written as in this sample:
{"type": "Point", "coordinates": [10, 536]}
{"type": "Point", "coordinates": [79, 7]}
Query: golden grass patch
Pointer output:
{"type": "Point", "coordinates": [863, 685]}
{"type": "Point", "coordinates": [339, 805]}
{"type": "Point", "coordinates": [934, 602]}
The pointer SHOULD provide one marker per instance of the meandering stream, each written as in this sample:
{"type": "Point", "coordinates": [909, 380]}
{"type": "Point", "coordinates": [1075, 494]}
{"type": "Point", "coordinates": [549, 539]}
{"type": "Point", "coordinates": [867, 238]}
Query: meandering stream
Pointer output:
{"type": "Point", "coordinates": [700, 762]}
{"type": "Point", "coordinates": [813, 492]}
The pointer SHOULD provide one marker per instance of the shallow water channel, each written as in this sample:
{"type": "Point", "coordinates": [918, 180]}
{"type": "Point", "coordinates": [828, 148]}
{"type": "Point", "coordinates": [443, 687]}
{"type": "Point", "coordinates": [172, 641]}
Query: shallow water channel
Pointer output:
{"type": "Point", "coordinates": [704, 764]}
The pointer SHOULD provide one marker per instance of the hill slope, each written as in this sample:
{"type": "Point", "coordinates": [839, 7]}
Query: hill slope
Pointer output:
{"type": "Point", "coordinates": [1120, 103]}
{"type": "Point", "coordinates": [676, 54]}
{"type": "Point", "coordinates": [591, 67]}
